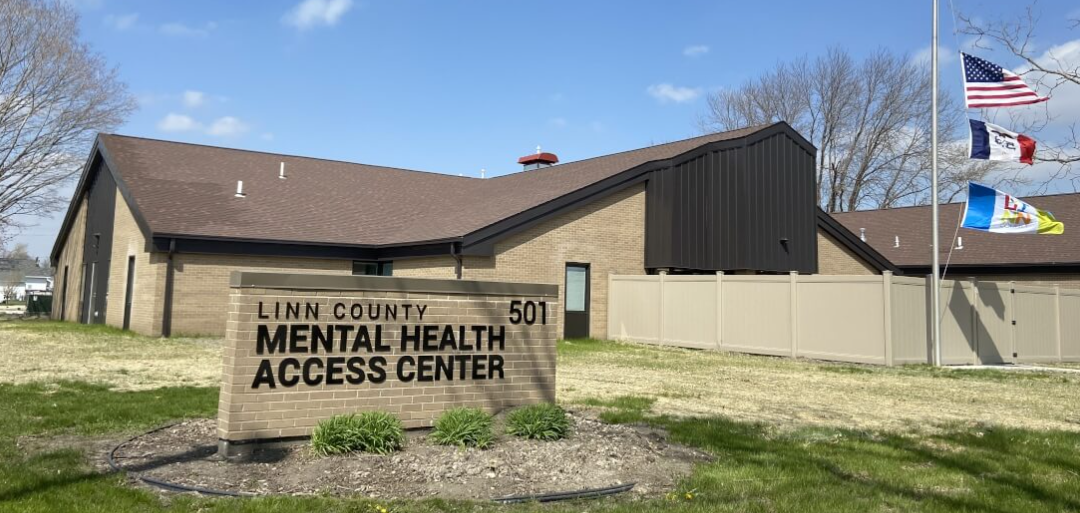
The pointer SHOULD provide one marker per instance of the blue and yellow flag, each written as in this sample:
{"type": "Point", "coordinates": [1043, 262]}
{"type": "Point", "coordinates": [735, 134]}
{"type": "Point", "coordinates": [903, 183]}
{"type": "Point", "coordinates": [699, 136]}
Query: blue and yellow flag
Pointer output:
{"type": "Point", "coordinates": [991, 210]}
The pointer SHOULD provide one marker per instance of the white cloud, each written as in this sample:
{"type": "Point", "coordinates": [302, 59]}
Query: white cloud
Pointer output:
{"type": "Point", "coordinates": [945, 56]}
{"type": "Point", "coordinates": [227, 126]}
{"type": "Point", "coordinates": [122, 21]}
{"type": "Point", "coordinates": [178, 29]}
{"type": "Point", "coordinates": [1066, 55]}
{"type": "Point", "coordinates": [194, 99]}
{"type": "Point", "coordinates": [695, 50]}
{"type": "Point", "coordinates": [148, 99]}
{"type": "Point", "coordinates": [312, 13]}
{"type": "Point", "coordinates": [665, 93]}
{"type": "Point", "coordinates": [173, 122]}
{"type": "Point", "coordinates": [557, 122]}
{"type": "Point", "coordinates": [1064, 104]}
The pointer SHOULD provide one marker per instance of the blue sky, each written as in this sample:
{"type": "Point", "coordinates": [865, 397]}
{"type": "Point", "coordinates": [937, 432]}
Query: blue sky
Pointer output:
{"type": "Point", "coordinates": [459, 86]}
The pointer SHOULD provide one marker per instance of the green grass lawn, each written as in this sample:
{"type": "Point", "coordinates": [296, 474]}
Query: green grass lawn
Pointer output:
{"type": "Point", "coordinates": [758, 467]}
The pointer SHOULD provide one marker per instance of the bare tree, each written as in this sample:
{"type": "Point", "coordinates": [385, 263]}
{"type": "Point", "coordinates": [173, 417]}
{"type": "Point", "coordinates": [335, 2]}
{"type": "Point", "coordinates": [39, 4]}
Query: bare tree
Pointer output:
{"type": "Point", "coordinates": [55, 94]}
{"type": "Point", "coordinates": [1053, 70]}
{"type": "Point", "coordinates": [870, 121]}
{"type": "Point", "coordinates": [9, 290]}
{"type": "Point", "coordinates": [14, 264]}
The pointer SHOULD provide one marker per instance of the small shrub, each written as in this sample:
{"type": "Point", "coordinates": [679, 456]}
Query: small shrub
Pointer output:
{"type": "Point", "coordinates": [374, 431]}
{"type": "Point", "coordinates": [463, 427]}
{"type": "Point", "coordinates": [538, 422]}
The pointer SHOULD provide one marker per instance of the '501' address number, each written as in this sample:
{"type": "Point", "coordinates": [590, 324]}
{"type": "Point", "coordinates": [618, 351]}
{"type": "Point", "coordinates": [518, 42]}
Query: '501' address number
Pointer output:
{"type": "Point", "coordinates": [525, 311]}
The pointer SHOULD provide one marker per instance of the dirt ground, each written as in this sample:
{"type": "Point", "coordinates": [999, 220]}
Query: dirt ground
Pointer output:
{"type": "Point", "coordinates": [31, 352]}
{"type": "Point", "coordinates": [596, 455]}
{"type": "Point", "coordinates": [790, 393]}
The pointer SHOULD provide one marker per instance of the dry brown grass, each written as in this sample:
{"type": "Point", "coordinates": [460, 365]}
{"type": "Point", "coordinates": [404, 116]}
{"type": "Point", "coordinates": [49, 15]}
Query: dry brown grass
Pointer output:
{"type": "Point", "coordinates": [32, 351]}
{"type": "Point", "coordinates": [781, 392]}
{"type": "Point", "coordinates": [795, 393]}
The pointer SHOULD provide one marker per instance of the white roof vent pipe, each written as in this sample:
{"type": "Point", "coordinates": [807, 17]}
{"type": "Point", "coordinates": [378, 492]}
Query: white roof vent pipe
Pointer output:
{"type": "Point", "coordinates": [483, 173]}
{"type": "Point", "coordinates": [896, 241]}
{"type": "Point", "coordinates": [240, 189]}
{"type": "Point", "coordinates": [959, 243]}
{"type": "Point", "coordinates": [281, 173]}
{"type": "Point", "coordinates": [862, 234]}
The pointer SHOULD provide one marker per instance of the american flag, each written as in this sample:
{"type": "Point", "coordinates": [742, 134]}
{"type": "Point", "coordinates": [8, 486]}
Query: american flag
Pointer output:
{"type": "Point", "coordinates": [988, 85]}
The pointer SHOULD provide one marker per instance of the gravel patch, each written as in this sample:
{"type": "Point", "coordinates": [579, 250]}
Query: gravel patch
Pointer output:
{"type": "Point", "coordinates": [595, 455]}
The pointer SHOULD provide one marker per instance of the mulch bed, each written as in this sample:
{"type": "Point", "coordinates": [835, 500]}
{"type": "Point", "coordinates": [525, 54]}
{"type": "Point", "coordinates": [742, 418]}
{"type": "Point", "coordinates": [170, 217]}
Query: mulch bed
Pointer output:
{"type": "Point", "coordinates": [596, 455]}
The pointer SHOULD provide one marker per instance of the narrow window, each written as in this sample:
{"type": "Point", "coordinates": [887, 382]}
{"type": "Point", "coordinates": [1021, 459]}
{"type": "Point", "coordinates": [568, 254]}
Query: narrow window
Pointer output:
{"type": "Point", "coordinates": [63, 294]}
{"type": "Point", "coordinates": [372, 268]}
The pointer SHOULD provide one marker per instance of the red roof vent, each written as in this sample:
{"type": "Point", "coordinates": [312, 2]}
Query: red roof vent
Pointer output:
{"type": "Point", "coordinates": [538, 160]}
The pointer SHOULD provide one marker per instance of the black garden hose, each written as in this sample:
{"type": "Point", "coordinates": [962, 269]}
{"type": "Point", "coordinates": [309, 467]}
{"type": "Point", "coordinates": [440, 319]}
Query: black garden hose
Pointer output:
{"type": "Point", "coordinates": [513, 499]}
{"type": "Point", "coordinates": [165, 485]}
{"type": "Point", "coordinates": [563, 496]}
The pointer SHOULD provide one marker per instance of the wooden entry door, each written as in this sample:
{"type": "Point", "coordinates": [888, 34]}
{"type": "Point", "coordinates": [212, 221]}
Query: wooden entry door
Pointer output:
{"type": "Point", "coordinates": [576, 288]}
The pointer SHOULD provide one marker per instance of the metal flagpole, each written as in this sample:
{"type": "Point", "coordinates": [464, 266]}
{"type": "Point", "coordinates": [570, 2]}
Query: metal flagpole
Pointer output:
{"type": "Point", "coordinates": [935, 281]}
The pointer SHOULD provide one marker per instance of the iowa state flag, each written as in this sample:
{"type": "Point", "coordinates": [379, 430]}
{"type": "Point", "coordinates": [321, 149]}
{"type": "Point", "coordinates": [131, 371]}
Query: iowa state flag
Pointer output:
{"type": "Point", "coordinates": [991, 142]}
{"type": "Point", "coordinates": [991, 210]}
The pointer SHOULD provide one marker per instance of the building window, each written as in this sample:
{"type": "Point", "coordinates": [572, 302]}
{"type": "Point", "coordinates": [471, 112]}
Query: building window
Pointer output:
{"type": "Point", "coordinates": [369, 268]}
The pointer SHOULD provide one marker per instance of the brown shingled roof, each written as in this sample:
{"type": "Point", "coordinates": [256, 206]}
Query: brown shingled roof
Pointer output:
{"type": "Point", "coordinates": [187, 190]}
{"type": "Point", "coordinates": [912, 225]}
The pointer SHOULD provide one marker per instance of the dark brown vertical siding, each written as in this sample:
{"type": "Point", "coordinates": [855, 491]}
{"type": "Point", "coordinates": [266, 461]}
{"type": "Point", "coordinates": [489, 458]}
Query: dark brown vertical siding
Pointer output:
{"type": "Point", "coordinates": [728, 210]}
{"type": "Point", "coordinates": [730, 159]}
{"type": "Point", "coordinates": [97, 244]}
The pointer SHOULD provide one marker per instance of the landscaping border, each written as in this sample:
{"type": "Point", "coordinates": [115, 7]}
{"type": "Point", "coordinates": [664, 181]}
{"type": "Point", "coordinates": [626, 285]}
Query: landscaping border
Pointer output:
{"type": "Point", "coordinates": [512, 499]}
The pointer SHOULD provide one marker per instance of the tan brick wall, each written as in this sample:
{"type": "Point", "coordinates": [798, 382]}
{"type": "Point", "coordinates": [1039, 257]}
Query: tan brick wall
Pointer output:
{"type": "Point", "coordinates": [71, 257]}
{"type": "Point", "coordinates": [834, 258]}
{"type": "Point", "coordinates": [428, 267]}
{"type": "Point", "coordinates": [608, 234]}
{"type": "Point", "coordinates": [149, 285]}
{"type": "Point", "coordinates": [201, 286]}
{"type": "Point", "coordinates": [245, 413]}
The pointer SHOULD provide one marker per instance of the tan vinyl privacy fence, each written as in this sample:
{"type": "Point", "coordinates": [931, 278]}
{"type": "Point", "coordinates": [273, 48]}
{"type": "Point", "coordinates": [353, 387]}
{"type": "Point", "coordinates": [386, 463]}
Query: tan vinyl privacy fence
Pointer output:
{"type": "Point", "coordinates": [865, 319]}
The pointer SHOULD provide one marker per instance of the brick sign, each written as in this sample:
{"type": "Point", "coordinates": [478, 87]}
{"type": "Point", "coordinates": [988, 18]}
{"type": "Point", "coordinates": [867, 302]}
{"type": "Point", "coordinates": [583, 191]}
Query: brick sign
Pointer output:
{"type": "Point", "coordinates": [301, 348]}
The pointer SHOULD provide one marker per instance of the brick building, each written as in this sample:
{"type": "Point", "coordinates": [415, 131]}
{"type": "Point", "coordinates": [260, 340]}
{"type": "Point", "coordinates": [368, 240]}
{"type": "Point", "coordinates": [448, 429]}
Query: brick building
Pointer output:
{"type": "Point", "coordinates": [155, 227]}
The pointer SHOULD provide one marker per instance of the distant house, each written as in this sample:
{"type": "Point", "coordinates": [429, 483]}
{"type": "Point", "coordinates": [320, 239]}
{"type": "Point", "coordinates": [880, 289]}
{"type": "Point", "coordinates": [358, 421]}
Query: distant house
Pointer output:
{"type": "Point", "coordinates": [14, 286]}
{"type": "Point", "coordinates": [903, 236]}
{"type": "Point", "coordinates": [38, 283]}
